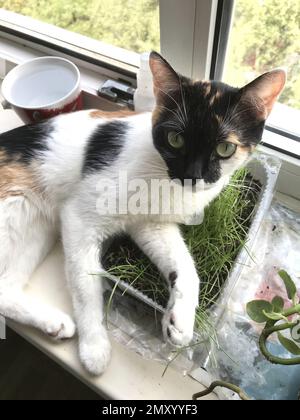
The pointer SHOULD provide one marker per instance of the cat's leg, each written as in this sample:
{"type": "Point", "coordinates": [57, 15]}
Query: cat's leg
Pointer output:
{"type": "Point", "coordinates": [82, 247]}
{"type": "Point", "coordinates": [164, 245]}
{"type": "Point", "coordinates": [26, 237]}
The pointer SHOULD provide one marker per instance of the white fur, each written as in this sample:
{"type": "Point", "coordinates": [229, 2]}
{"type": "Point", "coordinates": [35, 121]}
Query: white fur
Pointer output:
{"type": "Point", "coordinates": [29, 225]}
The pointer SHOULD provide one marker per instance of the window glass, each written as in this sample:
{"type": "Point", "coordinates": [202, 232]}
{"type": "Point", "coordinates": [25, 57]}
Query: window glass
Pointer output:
{"type": "Point", "coordinates": [265, 34]}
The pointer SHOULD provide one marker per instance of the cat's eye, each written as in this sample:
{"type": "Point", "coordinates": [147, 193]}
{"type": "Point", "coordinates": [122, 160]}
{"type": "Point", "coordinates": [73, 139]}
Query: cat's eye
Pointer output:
{"type": "Point", "coordinates": [175, 140]}
{"type": "Point", "coordinates": [225, 149]}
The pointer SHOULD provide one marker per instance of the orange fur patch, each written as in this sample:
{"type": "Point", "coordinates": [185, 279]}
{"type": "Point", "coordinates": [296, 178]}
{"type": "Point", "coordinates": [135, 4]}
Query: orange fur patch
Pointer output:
{"type": "Point", "coordinates": [219, 119]}
{"type": "Point", "coordinates": [241, 149]}
{"type": "Point", "coordinates": [207, 88]}
{"type": "Point", "coordinates": [15, 178]}
{"type": "Point", "coordinates": [214, 98]}
{"type": "Point", "coordinates": [233, 138]}
{"type": "Point", "coordinates": [155, 115]}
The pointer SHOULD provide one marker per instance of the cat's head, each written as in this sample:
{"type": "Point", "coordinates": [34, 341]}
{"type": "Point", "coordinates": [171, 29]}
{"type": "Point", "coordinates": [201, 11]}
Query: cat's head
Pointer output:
{"type": "Point", "coordinates": [205, 130]}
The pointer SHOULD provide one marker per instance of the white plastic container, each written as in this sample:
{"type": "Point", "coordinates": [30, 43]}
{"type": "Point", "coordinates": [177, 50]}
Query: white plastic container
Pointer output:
{"type": "Point", "coordinates": [143, 97]}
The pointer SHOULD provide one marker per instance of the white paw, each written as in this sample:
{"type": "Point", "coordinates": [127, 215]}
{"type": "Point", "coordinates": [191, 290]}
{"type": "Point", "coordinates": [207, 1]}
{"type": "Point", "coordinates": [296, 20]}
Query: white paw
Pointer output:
{"type": "Point", "coordinates": [60, 326]}
{"type": "Point", "coordinates": [178, 323]}
{"type": "Point", "coordinates": [95, 354]}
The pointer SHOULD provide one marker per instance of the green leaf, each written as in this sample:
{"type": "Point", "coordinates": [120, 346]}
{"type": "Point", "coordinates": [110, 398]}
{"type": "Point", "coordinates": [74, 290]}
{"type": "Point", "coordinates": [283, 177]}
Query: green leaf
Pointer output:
{"type": "Point", "coordinates": [256, 308]}
{"type": "Point", "coordinates": [278, 304]}
{"type": "Point", "coordinates": [290, 345]}
{"type": "Point", "coordinates": [275, 316]}
{"type": "Point", "coordinates": [289, 284]}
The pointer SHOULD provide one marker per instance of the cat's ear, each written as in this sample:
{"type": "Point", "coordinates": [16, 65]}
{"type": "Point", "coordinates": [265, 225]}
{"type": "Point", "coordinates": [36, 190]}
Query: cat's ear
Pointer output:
{"type": "Point", "coordinates": [264, 91]}
{"type": "Point", "coordinates": [165, 78]}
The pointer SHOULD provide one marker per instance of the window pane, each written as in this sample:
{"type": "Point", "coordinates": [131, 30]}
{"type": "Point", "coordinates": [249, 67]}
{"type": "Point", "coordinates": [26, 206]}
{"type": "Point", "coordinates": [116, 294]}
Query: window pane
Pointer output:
{"type": "Point", "coordinates": [266, 34]}
{"type": "Point", "coordinates": [129, 24]}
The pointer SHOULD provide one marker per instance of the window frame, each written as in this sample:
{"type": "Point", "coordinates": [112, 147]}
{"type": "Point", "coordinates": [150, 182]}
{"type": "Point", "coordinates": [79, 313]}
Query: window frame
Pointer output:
{"type": "Point", "coordinates": [221, 36]}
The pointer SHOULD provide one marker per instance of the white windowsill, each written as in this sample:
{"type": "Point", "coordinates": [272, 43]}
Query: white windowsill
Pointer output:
{"type": "Point", "coordinates": [129, 376]}
{"type": "Point", "coordinates": [281, 142]}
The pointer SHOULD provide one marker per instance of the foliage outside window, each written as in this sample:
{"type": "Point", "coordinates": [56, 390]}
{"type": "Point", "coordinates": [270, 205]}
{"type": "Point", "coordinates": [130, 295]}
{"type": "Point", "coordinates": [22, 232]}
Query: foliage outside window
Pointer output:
{"type": "Point", "coordinates": [265, 35]}
{"type": "Point", "coordinates": [129, 24]}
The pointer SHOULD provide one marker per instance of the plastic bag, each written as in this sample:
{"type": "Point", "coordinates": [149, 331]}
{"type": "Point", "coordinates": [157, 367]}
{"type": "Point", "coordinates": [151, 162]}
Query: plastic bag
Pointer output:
{"type": "Point", "coordinates": [277, 247]}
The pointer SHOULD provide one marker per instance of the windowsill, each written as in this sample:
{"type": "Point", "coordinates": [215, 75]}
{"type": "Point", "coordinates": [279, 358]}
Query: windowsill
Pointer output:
{"type": "Point", "coordinates": [128, 377]}
{"type": "Point", "coordinates": [279, 142]}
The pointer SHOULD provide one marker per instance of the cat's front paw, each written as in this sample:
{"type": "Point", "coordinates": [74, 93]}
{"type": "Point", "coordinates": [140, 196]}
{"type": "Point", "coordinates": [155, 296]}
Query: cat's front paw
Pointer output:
{"type": "Point", "coordinates": [95, 354]}
{"type": "Point", "coordinates": [178, 323]}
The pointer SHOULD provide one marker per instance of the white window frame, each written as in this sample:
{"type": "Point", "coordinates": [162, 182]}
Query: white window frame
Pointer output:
{"type": "Point", "coordinates": [187, 34]}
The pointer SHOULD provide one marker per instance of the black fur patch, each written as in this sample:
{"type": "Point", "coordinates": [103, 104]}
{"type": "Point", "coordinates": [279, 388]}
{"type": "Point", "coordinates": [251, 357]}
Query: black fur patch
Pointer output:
{"type": "Point", "coordinates": [22, 144]}
{"type": "Point", "coordinates": [172, 278]}
{"type": "Point", "coordinates": [104, 146]}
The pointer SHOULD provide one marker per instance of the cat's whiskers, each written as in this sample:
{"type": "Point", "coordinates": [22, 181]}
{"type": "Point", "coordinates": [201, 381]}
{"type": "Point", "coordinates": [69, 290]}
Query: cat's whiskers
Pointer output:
{"type": "Point", "coordinates": [234, 115]}
{"type": "Point", "coordinates": [183, 100]}
{"type": "Point", "coordinates": [228, 116]}
{"type": "Point", "coordinates": [169, 125]}
{"type": "Point", "coordinates": [227, 111]}
{"type": "Point", "coordinates": [181, 123]}
{"type": "Point", "coordinates": [176, 103]}
{"type": "Point", "coordinates": [177, 122]}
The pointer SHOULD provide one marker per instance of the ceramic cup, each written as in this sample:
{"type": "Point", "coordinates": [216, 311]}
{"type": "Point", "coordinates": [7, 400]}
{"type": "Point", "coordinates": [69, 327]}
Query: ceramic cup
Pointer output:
{"type": "Point", "coordinates": [42, 88]}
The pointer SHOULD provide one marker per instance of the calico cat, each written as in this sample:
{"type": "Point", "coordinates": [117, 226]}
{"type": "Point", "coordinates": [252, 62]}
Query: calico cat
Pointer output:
{"type": "Point", "coordinates": [49, 178]}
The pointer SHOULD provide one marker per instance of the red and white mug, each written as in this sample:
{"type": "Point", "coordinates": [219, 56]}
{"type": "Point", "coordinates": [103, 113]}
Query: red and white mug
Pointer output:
{"type": "Point", "coordinates": [42, 88]}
